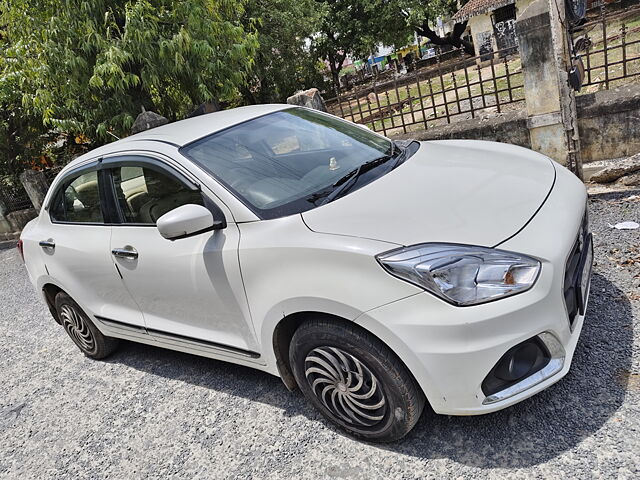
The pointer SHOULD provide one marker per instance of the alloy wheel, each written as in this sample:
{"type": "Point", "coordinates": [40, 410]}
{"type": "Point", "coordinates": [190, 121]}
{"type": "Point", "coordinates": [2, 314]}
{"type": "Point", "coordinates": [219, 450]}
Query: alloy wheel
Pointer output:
{"type": "Point", "coordinates": [79, 331]}
{"type": "Point", "coordinates": [345, 386]}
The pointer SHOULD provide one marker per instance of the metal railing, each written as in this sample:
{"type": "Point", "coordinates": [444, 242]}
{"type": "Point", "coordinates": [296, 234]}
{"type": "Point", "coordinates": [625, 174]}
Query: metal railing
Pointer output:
{"type": "Point", "coordinates": [13, 195]}
{"type": "Point", "coordinates": [610, 41]}
{"type": "Point", "coordinates": [456, 87]}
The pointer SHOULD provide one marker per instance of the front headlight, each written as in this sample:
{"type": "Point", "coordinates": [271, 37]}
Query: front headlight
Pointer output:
{"type": "Point", "coordinates": [462, 274]}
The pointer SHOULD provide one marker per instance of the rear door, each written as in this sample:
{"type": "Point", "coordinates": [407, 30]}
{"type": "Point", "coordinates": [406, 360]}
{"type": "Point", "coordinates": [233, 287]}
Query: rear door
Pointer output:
{"type": "Point", "coordinates": [75, 247]}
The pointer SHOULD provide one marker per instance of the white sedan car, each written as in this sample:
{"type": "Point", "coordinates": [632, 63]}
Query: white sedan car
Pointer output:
{"type": "Point", "coordinates": [375, 277]}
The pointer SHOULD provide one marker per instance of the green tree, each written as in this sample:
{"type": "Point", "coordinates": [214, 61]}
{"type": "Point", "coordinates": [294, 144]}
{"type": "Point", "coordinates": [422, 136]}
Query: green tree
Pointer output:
{"type": "Point", "coordinates": [90, 66]}
{"type": "Point", "coordinates": [356, 27]}
{"type": "Point", "coordinates": [284, 62]}
{"type": "Point", "coordinates": [398, 19]}
{"type": "Point", "coordinates": [349, 28]}
{"type": "Point", "coordinates": [22, 133]}
{"type": "Point", "coordinates": [419, 15]}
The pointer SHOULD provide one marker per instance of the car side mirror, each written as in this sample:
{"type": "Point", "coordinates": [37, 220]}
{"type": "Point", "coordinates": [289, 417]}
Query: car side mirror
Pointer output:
{"type": "Point", "coordinates": [186, 221]}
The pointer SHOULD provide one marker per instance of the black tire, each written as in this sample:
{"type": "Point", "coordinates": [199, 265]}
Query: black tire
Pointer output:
{"type": "Point", "coordinates": [337, 364]}
{"type": "Point", "coordinates": [81, 330]}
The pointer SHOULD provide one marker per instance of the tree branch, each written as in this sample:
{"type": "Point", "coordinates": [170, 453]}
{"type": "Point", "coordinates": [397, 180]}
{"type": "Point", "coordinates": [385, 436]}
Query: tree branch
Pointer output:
{"type": "Point", "coordinates": [340, 60]}
{"type": "Point", "coordinates": [453, 38]}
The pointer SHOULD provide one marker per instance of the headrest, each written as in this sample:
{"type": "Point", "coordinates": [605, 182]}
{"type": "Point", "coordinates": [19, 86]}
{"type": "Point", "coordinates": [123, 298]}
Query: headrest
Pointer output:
{"type": "Point", "coordinates": [159, 184]}
{"type": "Point", "coordinates": [88, 193]}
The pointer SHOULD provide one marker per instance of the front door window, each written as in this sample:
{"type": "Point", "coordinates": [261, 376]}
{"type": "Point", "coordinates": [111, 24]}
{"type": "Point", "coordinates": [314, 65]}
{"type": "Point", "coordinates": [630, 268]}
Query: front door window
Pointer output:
{"type": "Point", "coordinates": [145, 194]}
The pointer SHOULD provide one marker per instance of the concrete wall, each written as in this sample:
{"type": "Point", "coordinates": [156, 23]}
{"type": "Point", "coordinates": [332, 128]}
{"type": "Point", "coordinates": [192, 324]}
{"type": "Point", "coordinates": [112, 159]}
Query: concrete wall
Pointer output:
{"type": "Point", "coordinates": [11, 224]}
{"type": "Point", "coordinates": [505, 128]}
{"type": "Point", "coordinates": [5, 227]}
{"type": "Point", "coordinates": [608, 121]}
{"type": "Point", "coordinates": [482, 32]}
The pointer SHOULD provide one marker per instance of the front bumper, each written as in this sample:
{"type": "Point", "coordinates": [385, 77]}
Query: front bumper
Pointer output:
{"type": "Point", "coordinates": [450, 350]}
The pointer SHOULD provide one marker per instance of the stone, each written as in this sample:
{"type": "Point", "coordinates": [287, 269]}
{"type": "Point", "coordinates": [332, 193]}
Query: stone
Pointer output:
{"type": "Point", "coordinates": [206, 107]}
{"type": "Point", "coordinates": [36, 186]}
{"type": "Point", "coordinates": [617, 170]}
{"type": "Point", "coordinates": [632, 180]}
{"type": "Point", "coordinates": [372, 98]}
{"type": "Point", "coordinates": [597, 86]}
{"type": "Point", "coordinates": [147, 120]}
{"type": "Point", "coordinates": [308, 98]}
{"type": "Point", "coordinates": [20, 218]}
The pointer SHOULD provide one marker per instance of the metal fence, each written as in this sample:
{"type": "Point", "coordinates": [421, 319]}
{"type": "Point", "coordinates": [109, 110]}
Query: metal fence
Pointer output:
{"type": "Point", "coordinates": [455, 87]}
{"type": "Point", "coordinates": [610, 46]}
{"type": "Point", "coordinates": [13, 195]}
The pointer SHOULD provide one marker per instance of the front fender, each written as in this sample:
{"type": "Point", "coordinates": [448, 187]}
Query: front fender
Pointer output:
{"type": "Point", "coordinates": [295, 306]}
{"type": "Point", "coordinates": [287, 269]}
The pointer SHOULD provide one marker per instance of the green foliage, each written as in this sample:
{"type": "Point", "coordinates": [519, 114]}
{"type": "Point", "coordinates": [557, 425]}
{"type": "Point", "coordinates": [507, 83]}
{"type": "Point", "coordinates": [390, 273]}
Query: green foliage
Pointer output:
{"type": "Point", "coordinates": [347, 28]}
{"type": "Point", "coordinates": [88, 67]}
{"type": "Point", "coordinates": [397, 19]}
{"type": "Point", "coordinates": [22, 133]}
{"type": "Point", "coordinates": [357, 27]}
{"type": "Point", "coordinates": [416, 11]}
{"type": "Point", "coordinates": [283, 61]}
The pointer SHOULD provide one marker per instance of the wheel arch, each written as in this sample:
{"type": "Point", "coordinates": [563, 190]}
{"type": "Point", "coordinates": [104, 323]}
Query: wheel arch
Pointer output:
{"type": "Point", "coordinates": [286, 327]}
{"type": "Point", "coordinates": [281, 339]}
{"type": "Point", "coordinates": [49, 291]}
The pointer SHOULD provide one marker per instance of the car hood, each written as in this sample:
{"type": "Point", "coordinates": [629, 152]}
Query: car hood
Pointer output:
{"type": "Point", "coordinates": [460, 191]}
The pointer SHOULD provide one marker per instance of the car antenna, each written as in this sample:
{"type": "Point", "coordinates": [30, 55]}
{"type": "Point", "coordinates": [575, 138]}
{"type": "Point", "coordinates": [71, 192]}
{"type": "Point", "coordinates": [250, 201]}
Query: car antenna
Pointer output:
{"type": "Point", "coordinates": [113, 135]}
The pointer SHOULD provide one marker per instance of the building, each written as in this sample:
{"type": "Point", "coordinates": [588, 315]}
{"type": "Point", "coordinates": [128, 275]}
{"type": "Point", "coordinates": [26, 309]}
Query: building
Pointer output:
{"type": "Point", "coordinates": [491, 24]}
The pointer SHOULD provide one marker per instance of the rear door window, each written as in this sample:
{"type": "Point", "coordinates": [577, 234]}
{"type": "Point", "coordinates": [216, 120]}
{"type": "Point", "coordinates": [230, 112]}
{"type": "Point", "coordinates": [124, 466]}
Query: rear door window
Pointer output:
{"type": "Point", "coordinates": [78, 200]}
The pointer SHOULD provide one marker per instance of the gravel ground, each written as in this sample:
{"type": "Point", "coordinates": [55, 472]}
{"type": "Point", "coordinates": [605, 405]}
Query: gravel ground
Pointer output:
{"type": "Point", "coordinates": [148, 412]}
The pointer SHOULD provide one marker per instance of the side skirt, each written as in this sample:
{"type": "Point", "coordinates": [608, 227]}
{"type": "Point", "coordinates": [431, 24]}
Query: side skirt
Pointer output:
{"type": "Point", "coordinates": [177, 342]}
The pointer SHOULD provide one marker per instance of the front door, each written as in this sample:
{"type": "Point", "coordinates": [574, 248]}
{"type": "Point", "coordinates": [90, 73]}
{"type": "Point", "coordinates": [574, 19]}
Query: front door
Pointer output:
{"type": "Point", "coordinates": [191, 288]}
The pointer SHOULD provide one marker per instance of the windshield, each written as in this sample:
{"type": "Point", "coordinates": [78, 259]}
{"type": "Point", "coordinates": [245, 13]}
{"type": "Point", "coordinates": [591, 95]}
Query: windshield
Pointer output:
{"type": "Point", "coordinates": [284, 162]}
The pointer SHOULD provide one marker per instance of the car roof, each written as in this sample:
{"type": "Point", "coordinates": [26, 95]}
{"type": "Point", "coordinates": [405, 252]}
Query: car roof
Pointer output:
{"type": "Point", "coordinates": [185, 131]}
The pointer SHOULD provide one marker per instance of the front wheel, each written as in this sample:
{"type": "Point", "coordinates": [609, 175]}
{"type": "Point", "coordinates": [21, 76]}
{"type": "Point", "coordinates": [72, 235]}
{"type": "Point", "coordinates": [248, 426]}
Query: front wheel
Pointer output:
{"type": "Point", "coordinates": [81, 330]}
{"type": "Point", "coordinates": [355, 381]}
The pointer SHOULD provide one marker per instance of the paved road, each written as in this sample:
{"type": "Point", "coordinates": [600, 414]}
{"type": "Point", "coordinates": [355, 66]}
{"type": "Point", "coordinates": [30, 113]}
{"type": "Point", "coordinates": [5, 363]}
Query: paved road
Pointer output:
{"type": "Point", "coordinates": [147, 412]}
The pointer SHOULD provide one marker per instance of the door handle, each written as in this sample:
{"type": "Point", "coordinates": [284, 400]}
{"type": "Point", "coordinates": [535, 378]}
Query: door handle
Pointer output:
{"type": "Point", "coordinates": [127, 252]}
{"type": "Point", "coordinates": [47, 244]}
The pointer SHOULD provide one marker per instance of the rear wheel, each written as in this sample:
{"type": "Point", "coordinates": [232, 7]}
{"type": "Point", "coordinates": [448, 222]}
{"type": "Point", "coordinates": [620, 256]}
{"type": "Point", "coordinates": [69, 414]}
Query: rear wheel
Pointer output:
{"type": "Point", "coordinates": [81, 330]}
{"type": "Point", "coordinates": [355, 380]}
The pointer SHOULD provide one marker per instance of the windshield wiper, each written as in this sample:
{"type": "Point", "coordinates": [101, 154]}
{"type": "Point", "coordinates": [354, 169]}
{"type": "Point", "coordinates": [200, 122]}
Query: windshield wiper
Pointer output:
{"type": "Point", "coordinates": [400, 157]}
{"type": "Point", "coordinates": [343, 184]}
{"type": "Point", "coordinates": [348, 180]}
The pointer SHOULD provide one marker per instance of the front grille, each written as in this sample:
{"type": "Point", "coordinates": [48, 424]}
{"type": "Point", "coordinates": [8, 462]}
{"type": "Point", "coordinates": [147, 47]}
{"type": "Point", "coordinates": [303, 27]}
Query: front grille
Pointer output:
{"type": "Point", "coordinates": [572, 270]}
